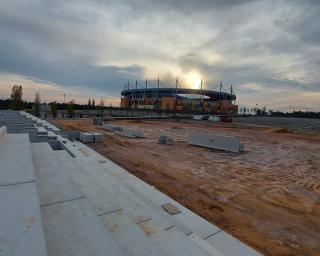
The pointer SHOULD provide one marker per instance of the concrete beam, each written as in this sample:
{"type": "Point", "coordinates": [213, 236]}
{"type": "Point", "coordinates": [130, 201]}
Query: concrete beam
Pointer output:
{"type": "Point", "coordinates": [3, 130]}
{"type": "Point", "coordinates": [220, 142]}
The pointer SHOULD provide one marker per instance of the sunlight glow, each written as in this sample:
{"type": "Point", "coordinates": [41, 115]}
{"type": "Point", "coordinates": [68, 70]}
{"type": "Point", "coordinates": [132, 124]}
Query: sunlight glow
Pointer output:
{"type": "Point", "coordinates": [193, 80]}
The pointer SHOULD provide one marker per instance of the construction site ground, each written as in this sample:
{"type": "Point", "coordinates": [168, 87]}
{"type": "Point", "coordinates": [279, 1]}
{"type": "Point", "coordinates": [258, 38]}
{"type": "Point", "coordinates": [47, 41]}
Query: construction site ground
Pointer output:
{"type": "Point", "coordinates": [267, 196]}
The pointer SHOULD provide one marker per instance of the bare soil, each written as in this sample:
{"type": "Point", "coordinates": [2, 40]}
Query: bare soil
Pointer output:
{"type": "Point", "coordinates": [267, 196]}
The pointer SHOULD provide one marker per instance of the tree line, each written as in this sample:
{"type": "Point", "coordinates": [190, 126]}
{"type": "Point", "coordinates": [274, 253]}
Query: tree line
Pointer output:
{"type": "Point", "coordinates": [16, 102]}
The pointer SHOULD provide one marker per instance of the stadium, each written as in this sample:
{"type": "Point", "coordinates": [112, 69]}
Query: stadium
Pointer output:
{"type": "Point", "coordinates": [180, 100]}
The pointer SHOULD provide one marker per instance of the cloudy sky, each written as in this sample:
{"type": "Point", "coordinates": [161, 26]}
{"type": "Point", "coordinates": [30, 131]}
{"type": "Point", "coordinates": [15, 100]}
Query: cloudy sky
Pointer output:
{"type": "Point", "coordinates": [268, 50]}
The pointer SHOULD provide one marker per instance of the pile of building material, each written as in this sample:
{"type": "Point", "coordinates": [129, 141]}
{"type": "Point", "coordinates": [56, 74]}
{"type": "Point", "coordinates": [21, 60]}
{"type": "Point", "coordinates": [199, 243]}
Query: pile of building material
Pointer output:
{"type": "Point", "coordinates": [220, 142]}
{"type": "Point", "coordinates": [114, 128]}
{"type": "Point", "coordinates": [88, 137]}
{"type": "Point", "coordinates": [165, 140]}
{"type": "Point", "coordinates": [42, 131]}
{"type": "Point", "coordinates": [123, 131]}
{"type": "Point", "coordinates": [97, 136]}
{"type": "Point", "coordinates": [200, 117]}
{"type": "Point", "coordinates": [3, 130]}
{"type": "Point", "coordinates": [98, 121]}
{"type": "Point", "coordinates": [216, 119]}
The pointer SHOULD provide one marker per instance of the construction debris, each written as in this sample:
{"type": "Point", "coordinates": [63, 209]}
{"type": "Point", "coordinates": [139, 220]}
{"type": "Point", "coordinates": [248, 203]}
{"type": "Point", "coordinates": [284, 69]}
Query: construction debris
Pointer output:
{"type": "Point", "coordinates": [216, 119]}
{"type": "Point", "coordinates": [170, 208]}
{"type": "Point", "coordinates": [86, 137]}
{"type": "Point", "coordinates": [165, 140]}
{"type": "Point", "coordinates": [220, 142]}
{"type": "Point", "coordinates": [97, 136]}
{"type": "Point", "coordinates": [98, 121]}
{"type": "Point", "coordinates": [123, 131]}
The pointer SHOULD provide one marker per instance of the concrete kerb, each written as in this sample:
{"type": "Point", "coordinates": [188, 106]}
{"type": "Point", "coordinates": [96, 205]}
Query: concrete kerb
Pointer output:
{"type": "Point", "coordinates": [3, 130]}
{"type": "Point", "coordinates": [213, 141]}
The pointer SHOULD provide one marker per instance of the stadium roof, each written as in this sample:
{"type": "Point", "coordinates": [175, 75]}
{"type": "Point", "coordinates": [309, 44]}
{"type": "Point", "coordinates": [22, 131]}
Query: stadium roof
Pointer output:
{"type": "Point", "coordinates": [162, 92]}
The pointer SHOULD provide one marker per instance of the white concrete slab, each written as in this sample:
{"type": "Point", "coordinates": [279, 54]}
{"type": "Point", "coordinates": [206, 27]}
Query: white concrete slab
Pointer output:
{"type": "Point", "coordinates": [172, 241]}
{"type": "Point", "coordinates": [42, 131]}
{"type": "Point", "coordinates": [228, 245]}
{"type": "Point", "coordinates": [53, 179]}
{"type": "Point", "coordinates": [130, 238]}
{"type": "Point", "coordinates": [3, 130]}
{"type": "Point", "coordinates": [215, 141]}
{"type": "Point", "coordinates": [153, 198]}
{"type": "Point", "coordinates": [187, 221]}
{"type": "Point", "coordinates": [107, 194]}
{"type": "Point", "coordinates": [72, 229]}
{"type": "Point", "coordinates": [15, 159]}
{"type": "Point", "coordinates": [20, 221]}
{"type": "Point", "coordinates": [52, 135]}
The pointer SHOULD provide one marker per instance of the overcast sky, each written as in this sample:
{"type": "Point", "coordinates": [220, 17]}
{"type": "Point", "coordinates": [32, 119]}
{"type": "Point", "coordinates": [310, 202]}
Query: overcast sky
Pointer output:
{"type": "Point", "coordinates": [268, 50]}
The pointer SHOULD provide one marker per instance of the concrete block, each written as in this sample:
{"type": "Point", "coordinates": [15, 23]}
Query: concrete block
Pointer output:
{"type": "Point", "coordinates": [42, 131]}
{"type": "Point", "coordinates": [98, 121]}
{"type": "Point", "coordinates": [52, 135]}
{"type": "Point", "coordinates": [220, 142]}
{"type": "Point", "coordinates": [86, 137]}
{"type": "Point", "coordinates": [200, 117]}
{"type": "Point", "coordinates": [163, 139]}
{"type": "Point", "coordinates": [97, 136]}
{"type": "Point", "coordinates": [3, 130]}
{"type": "Point", "coordinates": [114, 128]}
{"type": "Point", "coordinates": [170, 208]}
{"type": "Point", "coordinates": [130, 133]}
{"type": "Point", "coordinates": [216, 119]}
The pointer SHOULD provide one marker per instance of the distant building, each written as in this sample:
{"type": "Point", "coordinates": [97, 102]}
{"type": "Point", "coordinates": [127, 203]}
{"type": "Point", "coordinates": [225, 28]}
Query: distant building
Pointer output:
{"type": "Point", "coordinates": [179, 100]}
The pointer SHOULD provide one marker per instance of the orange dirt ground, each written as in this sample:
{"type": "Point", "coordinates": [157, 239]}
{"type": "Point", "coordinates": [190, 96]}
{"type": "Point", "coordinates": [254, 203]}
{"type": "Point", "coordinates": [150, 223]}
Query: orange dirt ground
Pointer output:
{"type": "Point", "coordinates": [267, 196]}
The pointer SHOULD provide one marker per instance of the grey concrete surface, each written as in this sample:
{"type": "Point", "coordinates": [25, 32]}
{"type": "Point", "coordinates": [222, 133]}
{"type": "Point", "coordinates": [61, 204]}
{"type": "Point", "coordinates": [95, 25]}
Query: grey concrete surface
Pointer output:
{"type": "Point", "coordinates": [53, 179]}
{"type": "Point", "coordinates": [228, 245]}
{"type": "Point", "coordinates": [21, 230]}
{"type": "Point", "coordinates": [16, 159]}
{"type": "Point", "coordinates": [295, 124]}
{"type": "Point", "coordinates": [213, 141]}
{"type": "Point", "coordinates": [72, 229]}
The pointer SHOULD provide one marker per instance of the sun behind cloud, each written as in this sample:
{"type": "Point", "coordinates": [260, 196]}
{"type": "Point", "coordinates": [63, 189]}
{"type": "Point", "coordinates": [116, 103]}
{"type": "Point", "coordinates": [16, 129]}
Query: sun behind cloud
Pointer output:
{"type": "Point", "coordinates": [193, 79]}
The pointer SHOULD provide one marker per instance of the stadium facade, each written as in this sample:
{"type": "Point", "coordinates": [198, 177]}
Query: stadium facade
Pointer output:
{"type": "Point", "coordinates": [180, 100]}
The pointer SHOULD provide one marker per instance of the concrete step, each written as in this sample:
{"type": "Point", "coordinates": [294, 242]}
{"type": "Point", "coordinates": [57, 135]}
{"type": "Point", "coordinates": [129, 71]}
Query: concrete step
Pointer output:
{"type": "Point", "coordinates": [130, 219]}
{"type": "Point", "coordinates": [73, 229]}
{"type": "Point", "coordinates": [15, 159]}
{"type": "Point", "coordinates": [71, 226]}
{"type": "Point", "coordinates": [185, 221]}
{"type": "Point", "coordinates": [143, 192]}
{"type": "Point", "coordinates": [108, 195]}
{"type": "Point", "coordinates": [54, 182]}
{"type": "Point", "coordinates": [21, 230]}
